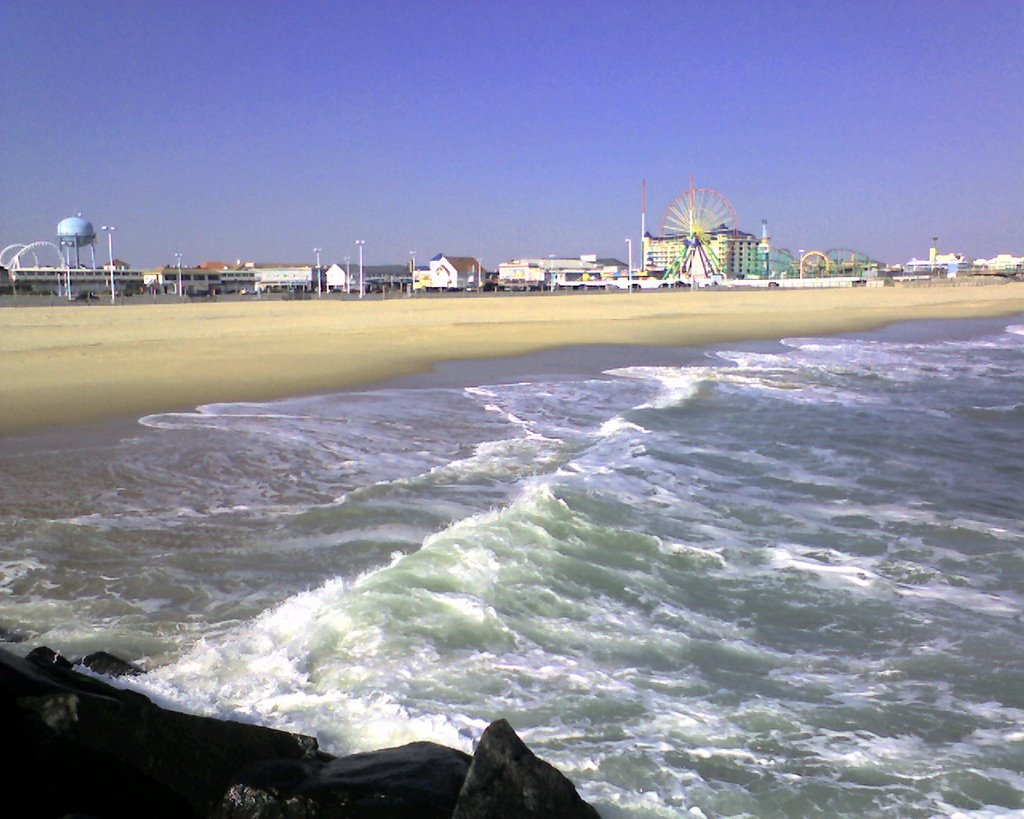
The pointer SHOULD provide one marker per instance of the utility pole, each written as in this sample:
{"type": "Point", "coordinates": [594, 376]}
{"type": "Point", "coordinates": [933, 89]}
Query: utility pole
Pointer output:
{"type": "Point", "coordinates": [629, 263]}
{"type": "Point", "coordinates": [110, 252]}
{"type": "Point", "coordinates": [362, 288]}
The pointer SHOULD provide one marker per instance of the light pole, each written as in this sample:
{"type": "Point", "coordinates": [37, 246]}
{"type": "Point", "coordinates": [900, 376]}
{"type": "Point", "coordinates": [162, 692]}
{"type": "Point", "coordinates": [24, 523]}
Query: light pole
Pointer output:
{"type": "Point", "coordinates": [629, 263]}
{"type": "Point", "coordinates": [412, 273]}
{"type": "Point", "coordinates": [110, 251]}
{"type": "Point", "coordinates": [178, 257]}
{"type": "Point", "coordinates": [317, 250]}
{"type": "Point", "coordinates": [348, 275]}
{"type": "Point", "coordinates": [360, 243]}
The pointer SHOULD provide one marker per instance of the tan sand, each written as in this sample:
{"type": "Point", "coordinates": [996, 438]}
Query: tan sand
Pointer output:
{"type": "Point", "coordinates": [68, 365]}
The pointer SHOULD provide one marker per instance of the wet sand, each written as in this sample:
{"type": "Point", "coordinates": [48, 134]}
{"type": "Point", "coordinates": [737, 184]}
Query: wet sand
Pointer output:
{"type": "Point", "coordinates": [63, 366]}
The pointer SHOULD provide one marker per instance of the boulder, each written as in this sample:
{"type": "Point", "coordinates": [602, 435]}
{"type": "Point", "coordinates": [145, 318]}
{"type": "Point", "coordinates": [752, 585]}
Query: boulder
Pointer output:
{"type": "Point", "coordinates": [104, 663]}
{"type": "Point", "coordinates": [78, 746]}
{"type": "Point", "coordinates": [507, 780]}
{"type": "Point", "coordinates": [421, 779]}
{"type": "Point", "coordinates": [44, 657]}
{"type": "Point", "coordinates": [81, 746]}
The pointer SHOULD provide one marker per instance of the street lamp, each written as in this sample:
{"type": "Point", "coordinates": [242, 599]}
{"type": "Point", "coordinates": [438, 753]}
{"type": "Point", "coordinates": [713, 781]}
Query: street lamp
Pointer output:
{"type": "Point", "coordinates": [629, 263]}
{"type": "Point", "coordinates": [178, 257]}
{"type": "Point", "coordinates": [317, 250]}
{"type": "Point", "coordinates": [362, 290]}
{"type": "Point", "coordinates": [110, 251]}
{"type": "Point", "coordinates": [348, 275]}
{"type": "Point", "coordinates": [412, 273]}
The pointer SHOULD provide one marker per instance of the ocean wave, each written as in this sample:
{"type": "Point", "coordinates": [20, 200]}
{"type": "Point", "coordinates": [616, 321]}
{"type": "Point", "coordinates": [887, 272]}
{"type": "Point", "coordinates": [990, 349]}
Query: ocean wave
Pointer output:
{"type": "Point", "coordinates": [677, 385]}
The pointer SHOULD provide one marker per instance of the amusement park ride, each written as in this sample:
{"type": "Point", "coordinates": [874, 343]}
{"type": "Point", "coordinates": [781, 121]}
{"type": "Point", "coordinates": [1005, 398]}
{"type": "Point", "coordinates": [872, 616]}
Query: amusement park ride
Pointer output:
{"type": "Point", "coordinates": [695, 216]}
{"type": "Point", "coordinates": [701, 229]}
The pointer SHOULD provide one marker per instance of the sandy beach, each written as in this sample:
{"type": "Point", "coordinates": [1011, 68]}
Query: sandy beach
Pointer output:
{"type": "Point", "coordinates": [72, 365]}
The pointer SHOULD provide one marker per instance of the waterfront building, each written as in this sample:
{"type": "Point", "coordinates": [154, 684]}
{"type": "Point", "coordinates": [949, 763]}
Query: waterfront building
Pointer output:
{"type": "Point", "coordinates": [233, 280]}
{"type": "Point", "coordinates": [948, 263]}
{"type": "Point", "coordinates": [195, 281]}
{"type": "Point", "coordinates": [736, 253]}
{"type": "Point", "coordinates": [545, 273]}
{"type": "Point", "coordinates": [450, 273]}
{"type": "Point", "coordinates": [1005, 263]}
{"type": "Point", "coordinates": [336, 278]}
{"type": "Point", "coordinates": [278, 279]}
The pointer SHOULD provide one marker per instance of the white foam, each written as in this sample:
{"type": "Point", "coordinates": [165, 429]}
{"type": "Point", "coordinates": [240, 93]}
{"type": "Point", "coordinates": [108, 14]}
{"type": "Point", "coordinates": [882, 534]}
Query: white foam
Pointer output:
{"type": "Point", "coordinates": [976, 601]}
{"type": "Point", "coordinates": [851, 574]}
{"type": "Point", "coordinates": [678, 385]}
{"type": "Point", "coordinates": [11, 571]}
{"type": "Point", "coordinates": [617, 425]}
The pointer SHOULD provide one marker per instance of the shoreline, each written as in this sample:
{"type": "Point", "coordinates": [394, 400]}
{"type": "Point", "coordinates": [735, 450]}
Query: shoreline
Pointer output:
{"type": "Point", "coordinates": [66, 368]}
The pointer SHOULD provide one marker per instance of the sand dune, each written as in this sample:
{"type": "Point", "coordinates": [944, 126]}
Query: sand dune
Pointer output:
{"type": "Point", "coordinates": [67, 365]}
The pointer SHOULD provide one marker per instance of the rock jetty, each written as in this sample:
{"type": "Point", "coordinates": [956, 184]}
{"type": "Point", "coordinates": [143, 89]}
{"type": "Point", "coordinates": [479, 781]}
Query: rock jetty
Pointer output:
{"type": "Point", "coordinates": [78, 746]}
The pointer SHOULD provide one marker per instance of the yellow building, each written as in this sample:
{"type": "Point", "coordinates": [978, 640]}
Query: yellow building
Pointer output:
{"type": "Point", "coordinates": [734, 253]}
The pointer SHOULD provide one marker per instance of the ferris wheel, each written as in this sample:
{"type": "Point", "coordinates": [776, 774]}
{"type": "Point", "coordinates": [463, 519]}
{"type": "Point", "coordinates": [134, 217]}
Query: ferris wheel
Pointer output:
{"type": "Point", "coordinates": [698, 212]}
{"type": "Point", "coordinates": [698, 216]}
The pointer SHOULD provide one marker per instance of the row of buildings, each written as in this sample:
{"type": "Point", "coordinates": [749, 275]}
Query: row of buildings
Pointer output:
{"type": "Point", "coordinates": [953, 264]}
{"type": "Point", "coordinates": [725, 254]}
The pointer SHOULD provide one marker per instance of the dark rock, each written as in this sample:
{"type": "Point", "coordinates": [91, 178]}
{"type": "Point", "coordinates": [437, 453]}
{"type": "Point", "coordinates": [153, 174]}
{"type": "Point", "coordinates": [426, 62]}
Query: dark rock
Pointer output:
{"type": "Point", "coordinates": [507, 780]}
{"type": "Point", "coordinates": [421, 779]}
{"type": "Point", "coordinates": [45, 657]}
{"type": "Point", "coordinates": [36, 674]}
{"type": "Point", "coordinates": [77, 746]}
{"type": "Point", "coordinates": [82, 746]}
{"type": "Point", "coordinates": [103, 663]}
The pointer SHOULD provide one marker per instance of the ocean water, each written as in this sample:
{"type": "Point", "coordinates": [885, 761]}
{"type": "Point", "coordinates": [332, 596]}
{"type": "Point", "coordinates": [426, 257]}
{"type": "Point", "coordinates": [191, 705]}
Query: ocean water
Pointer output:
{"type": "Point", "coordinates": [759, 580]}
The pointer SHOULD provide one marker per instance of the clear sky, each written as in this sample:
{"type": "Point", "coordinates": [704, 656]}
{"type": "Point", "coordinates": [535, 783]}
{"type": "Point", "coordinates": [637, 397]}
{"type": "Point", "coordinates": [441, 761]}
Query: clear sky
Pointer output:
{"type": "Point", "coordinates": [260, 130]}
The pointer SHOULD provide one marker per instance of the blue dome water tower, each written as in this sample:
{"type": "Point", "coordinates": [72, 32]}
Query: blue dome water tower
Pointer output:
{"type": "Point", "coordinates": [76, 232]}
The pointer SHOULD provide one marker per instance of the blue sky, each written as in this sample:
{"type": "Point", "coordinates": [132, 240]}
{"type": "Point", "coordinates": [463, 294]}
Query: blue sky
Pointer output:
{"type": "Point", "coordinates": [261, 130]}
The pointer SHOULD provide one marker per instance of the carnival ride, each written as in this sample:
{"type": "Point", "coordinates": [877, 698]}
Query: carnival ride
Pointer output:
{"type": "Point", "coordinates": [19, 255]}
{"type": "Point", "coordinates": [781, 264]}
{"type": "Point", "coordinates": [814, 265]}
{"type": "Point", "coordinates": [846, 262]}
{"type": "Point", "coordinates": [698, 216]}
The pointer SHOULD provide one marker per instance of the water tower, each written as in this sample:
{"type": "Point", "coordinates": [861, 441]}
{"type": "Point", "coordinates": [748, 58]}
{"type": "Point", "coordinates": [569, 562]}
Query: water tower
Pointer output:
{"type": "Point", "coordinates": [76, 232]}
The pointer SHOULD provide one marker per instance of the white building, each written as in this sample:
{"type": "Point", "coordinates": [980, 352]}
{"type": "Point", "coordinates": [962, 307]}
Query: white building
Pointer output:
{"type": "Point", "coordinates": [283, 278]}
{"type": "Point", "coordinates": [1001, 263]}
{"type": "Point", "coordinates": [523, 274]}
{"type": "Point", "coordinates": [450, 273]}
{"type": "Point", "coordinates": [336, 278]}
{"type": "Point", "coordinates": [950, 263]}
{"type": "Point", "coordinates": [545, 273]}
{"type": "Point", "coordinates": [195, 281]}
